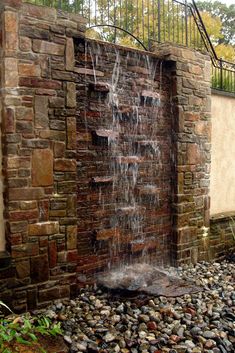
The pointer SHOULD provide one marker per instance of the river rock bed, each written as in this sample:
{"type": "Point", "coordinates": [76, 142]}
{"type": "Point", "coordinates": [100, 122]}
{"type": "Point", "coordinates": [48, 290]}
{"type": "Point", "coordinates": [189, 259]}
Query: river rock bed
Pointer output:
{"type": "Point", "coordinates": [98, 321]}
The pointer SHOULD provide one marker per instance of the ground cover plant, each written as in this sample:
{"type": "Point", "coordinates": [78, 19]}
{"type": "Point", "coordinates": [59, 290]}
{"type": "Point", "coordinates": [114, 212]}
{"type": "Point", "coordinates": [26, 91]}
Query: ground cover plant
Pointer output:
{"type": "Point", "coordinates": [19, 332]}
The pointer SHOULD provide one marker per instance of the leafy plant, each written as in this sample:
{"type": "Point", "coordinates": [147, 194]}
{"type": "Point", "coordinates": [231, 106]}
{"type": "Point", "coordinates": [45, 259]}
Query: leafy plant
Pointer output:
{"type": "Point", "coordinates": [25, 330]}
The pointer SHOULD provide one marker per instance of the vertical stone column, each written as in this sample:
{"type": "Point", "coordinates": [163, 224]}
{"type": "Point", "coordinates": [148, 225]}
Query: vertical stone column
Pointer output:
{"type": "Point", "coordinates": [9, 87]}
{"type": "Point", "coordinates": [38, 100]}
{"type": "Point", "coordinates": [191, 102]}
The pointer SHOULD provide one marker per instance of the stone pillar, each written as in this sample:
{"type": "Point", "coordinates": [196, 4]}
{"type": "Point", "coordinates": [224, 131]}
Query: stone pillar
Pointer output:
{"type": "Point", "coordinates": [191, 102]}
{"type": "Point", "coordinates": [38, 88]}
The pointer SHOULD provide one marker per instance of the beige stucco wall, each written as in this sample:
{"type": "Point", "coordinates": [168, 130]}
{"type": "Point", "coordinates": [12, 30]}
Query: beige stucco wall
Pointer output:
{"type": "Point", "coordinates": [222, 189]}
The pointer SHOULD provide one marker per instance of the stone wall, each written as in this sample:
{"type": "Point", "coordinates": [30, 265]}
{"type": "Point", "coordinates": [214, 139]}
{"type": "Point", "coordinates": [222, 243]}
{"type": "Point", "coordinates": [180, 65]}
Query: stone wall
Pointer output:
{"type": "Point", "coordinates": [39, 152]}
{"type": "Point", "coordinates": [51, 157]}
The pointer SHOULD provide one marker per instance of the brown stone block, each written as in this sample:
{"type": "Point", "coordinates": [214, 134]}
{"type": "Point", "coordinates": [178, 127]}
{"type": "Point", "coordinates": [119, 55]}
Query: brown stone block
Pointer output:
{"type": "Point", "coordinates": [71, 95]}
{"type": "Point", "coordinates": [52, 253]}
{"type": "Point", "coordinates": [56, 102]}
{"type": "Point", "coordinates": [26, 193]}
{"type": "Point", "coordinates": [65, 165]}
{"type": "Point", "coordinates": [24, 127]}
{"type": "Point", "coordinates": [10, 30]}
{"type": "Point", "coordinates": [63, 75]}
{"type": "Point", "coordinates": [23, 250]}
{"type": "Point", "coordinates": [71, 133]}
{"type": "Point", "coordinates": [59, 149]}
{"type": "Point", "coordinates": [69, 55]}
{"type": "Point", "coordinates": [8, 120]}
{"type": "Point", "coordinates": [10, 72]}
{"type": "Point", "coordinates": [72, 205]}
{"type": "Point", "coordinates": [71, 237]}
{"type": "Point", "coordinates": [203, 128]}
{"type": "Point", "coordinates": [85, 71]}
{"type": "Point", "coordinates": [43, 206]}
{"type": "Point", "coordinates": [25, 44]}
{"type": "Point", "coordinates": [43, 228]}
{"type": "Point", "coordinates": [39, 268]}
{"type": "Point", "coordinates": [44, 47]}
{"type": "Point", "coordinates": [106, 234]}
{"type": "Point", "coordinates": [57, 213]}
{"type": "Point", "coordinates": [72, 256]}
{"type": "Point", "coordinates": [38, 83]}
{"type": "Point", "coordinates": [41, 112]}
{"type": "Point", "coordinates": [28, 205]}
{"type": "Point", "coordinates": [39, 12]}
{"type": "Point", "coordinates": [23, 215]}
{"type": "Point", "coordinates": [194, 155]}
{"type": "Point", "coordinates": [30, 70]}
{"type": "Point", "coordinates": [18, 162]}
{"type": "Point", "coordinates": [54, 293]}
{"type": "Point", "coordinates": [67, 187]}
{"type": "Point", "coordinates": [42, 167]}
{"type": "Point", "coordinates": [24, 113]}
{"type": "Point", "coordinates": [23, 269]}
{"type": "Point", "coordinates": [16, 227]}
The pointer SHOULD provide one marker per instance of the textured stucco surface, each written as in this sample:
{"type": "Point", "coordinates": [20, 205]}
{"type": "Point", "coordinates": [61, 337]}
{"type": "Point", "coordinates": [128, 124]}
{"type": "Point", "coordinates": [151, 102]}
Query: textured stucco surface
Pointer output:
{"type": "Point", "coordinates": [222, 189]}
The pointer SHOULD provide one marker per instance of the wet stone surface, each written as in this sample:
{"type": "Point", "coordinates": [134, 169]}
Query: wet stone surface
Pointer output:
{"type": "Point", "coordinates": [150, 280]}
{"type": "Point", "coordinates": [97, 321]}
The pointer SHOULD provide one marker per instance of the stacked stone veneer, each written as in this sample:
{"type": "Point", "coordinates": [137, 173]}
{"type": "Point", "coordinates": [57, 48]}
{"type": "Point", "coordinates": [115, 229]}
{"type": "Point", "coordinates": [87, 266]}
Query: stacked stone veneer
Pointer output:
{"type": "Point", "coordinates": [105, 228]}
{"type": "Point", "coordinates": [39, 152]}
{"type": "Point", "coordinates": [191, 94]}
{"type": "Point", "coordinates": [42, 96]}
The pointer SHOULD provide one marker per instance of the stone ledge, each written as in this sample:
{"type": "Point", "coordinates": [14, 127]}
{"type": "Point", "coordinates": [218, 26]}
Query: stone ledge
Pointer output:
{"type": "Point", "coordinates": [223, 216]}
{"type": "Point", "coordinates": [222, 93]}
{"type": "Point", "coordinates": [5, 260]}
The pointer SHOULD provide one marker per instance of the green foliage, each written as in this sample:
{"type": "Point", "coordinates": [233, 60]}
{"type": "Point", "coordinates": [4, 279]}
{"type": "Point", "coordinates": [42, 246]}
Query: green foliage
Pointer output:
{"type": "Point", "coordinates": [226, 14]}
{"type": "Point", "coordinates": [25, 331]}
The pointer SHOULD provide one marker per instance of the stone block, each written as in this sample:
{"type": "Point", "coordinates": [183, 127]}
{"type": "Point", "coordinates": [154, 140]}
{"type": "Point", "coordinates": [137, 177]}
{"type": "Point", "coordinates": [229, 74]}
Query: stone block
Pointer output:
{"type": "Point", "coordinates": [23, 215]}
{"type": "Point", "coordinates": [89, 72]}
{"type": "Point", "coordinates": [59, 149]}
{"type": "Point", "coordinates": [71, 237]}
{"type": "Point", "coordinates": [16, 227]}
{"type": "Point", "coordinates": [39, 83]}
{"type": "Point", "coordinates": [8, 120]}
{"type": "Point", "coordinates": [39, 12]}
{"type": "Point", "coordinates": [71, 133]}
{"type": "Point", "coordinates": [42, 167]}
{"type": "Point", "coordinates": [10, 30]}
{"type": "Point", "coordinates": [41, 112]}
{"type": "Point", "coordinates": [52, 253]}
{"type": "Point", "coordinates": [105, 234]}
{"type": "Point", "coordinates": [69, 55]}
{"type": "Point", "coordinates": [24, 127]}
{"type": "Point", "coordinates": [43, 228]}
{"type": "Point", "coordinates": [25, 44]}
{"type": "Point", "coordinates": [65, 165]}
{"type": "Point", "coordinates": [29, 70]}
{"type": "Point", "coordinates": [194, 155]}
{"type": "Point", "coordinates": [23, 269]}
{"type": "Point", "coordinates": [71, 95]}
{"type": "Point", "coordinates": [24, 113]}
{"type": "Point", "coordinates": [26, 193]}
{"type": "Point", "coordinates": [10, 72]}
{"type": "Point", "coordinates": [44, 47]}
{"type": "Point", "coordinates": [39, 268]}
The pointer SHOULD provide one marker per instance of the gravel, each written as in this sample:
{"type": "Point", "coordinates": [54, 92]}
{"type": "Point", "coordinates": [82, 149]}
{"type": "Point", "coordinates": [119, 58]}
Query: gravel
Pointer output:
{"type": "Point", "coordinates": [97, 321]}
